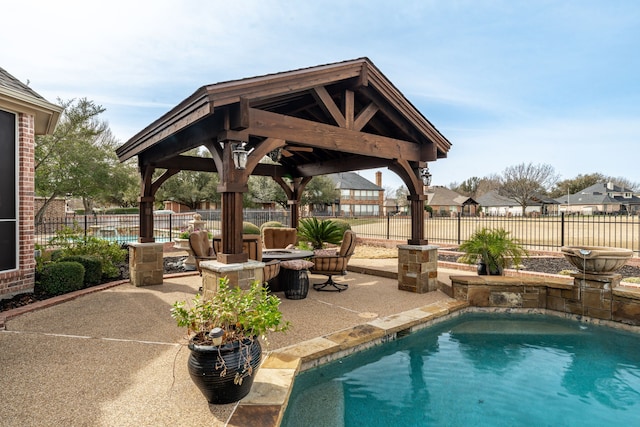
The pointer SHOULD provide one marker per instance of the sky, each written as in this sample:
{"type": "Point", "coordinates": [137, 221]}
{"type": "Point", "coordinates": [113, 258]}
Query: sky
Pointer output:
{"type": "Point", "coordinates": [506, 82]}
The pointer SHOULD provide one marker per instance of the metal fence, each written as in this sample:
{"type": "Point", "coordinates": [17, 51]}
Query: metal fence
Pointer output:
{"type": "Point", "coordinates": [125, 228]}
{"type": "Point", "coordinates": [547, 233]}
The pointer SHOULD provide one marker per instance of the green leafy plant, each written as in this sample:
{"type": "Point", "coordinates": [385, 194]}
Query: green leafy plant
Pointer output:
{"type": "Point", "coordinates": [61, 277]}
{"type": "Point", "coordinates": [342, 224]}
{"type": "Point", "coordinates": [72, 241]}
{"type": "Point", "coordinates": [92, 267]}
{"type": "Point", "coordinates": [494, 248]}
{"type": "Point", "coordinates": [250, 228]}
{"type": "Point", "coordinates": [317, 233]}
{"type": "Point", "coordinates": [271, 224]}
{"type": "Point", "coordinates": [241, 314]}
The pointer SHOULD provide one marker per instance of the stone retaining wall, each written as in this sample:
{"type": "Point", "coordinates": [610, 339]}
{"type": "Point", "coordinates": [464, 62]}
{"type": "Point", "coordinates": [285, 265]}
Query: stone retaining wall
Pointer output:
{"type": "Point", "coordinates": [595, 296]}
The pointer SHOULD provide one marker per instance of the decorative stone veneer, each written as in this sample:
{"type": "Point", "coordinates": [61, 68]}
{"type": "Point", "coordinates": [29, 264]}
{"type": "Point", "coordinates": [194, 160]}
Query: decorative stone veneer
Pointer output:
{"type": "Point", "coordinates": [239, 274]}
{"type": "Point", "coordinates": [594, 296]}
{"type": "Point", "coordinates": [146, 264]}
{"type": "Point", "coordinates": [418, 268]}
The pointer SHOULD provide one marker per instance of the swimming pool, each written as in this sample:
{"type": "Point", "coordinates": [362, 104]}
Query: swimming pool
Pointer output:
{"type": "Point", "coordinates": [479, 369]}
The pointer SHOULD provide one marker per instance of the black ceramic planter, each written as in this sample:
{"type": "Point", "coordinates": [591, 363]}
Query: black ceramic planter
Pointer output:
{"type": "Point", "coordinates": [483, 270]}
{"type": "Point", "coordinates": [205, 366]}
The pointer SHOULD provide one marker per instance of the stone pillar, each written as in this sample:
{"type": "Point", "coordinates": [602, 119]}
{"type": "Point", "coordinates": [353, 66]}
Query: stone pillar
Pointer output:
{"type": "Point", "coordinates": [418, 268]}
{"type": "Point", "coordinates": [239, 274]}
{"type": "Point", "coordinates": [146, 264]}
{"type": "Point", "coordinates": [595, 294]}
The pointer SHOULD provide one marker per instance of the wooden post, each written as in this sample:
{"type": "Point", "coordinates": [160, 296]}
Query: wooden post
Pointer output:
{"type": "Point", "coordinates": [417, 219]}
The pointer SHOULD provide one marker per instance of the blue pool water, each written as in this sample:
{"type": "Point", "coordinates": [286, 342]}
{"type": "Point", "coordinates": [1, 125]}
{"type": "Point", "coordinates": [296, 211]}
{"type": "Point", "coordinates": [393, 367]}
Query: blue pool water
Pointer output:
{"type": "Point", "coordinates": [480, 370]}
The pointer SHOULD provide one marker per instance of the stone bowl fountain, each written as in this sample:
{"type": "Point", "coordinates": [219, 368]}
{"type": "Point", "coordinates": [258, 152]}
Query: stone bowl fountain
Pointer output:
{"type": "Point", "coordinates": [596, 259]}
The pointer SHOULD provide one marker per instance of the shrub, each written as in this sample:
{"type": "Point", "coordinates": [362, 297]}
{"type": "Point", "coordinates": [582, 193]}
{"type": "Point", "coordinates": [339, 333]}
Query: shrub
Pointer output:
{"type": "Point", "coordinates": [73, 242]}
{"type": "Point", "coordinates": [61, 277]}
{"type": "Point", "coordinates": [317, 233]}
{"type": "Point", "coordinates": [92, 267]}
{"type": "Point", "coordinates": [56, 255]}
{"type": "Point", "coordinates": [250, 228]}
{"type": "Point", "coordinates": [271, 224]}
{"type": "Point", "coordinates": [342, 224]}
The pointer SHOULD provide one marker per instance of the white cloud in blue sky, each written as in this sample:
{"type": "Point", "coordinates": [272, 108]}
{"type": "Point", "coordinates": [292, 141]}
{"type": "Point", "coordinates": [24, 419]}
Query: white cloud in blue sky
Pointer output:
{"type": "Point", "coordinates": [506, 82]}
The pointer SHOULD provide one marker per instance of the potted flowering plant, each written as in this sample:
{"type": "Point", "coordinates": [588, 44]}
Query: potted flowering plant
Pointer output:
{"type": "Point", "coordinates": [223, 337]}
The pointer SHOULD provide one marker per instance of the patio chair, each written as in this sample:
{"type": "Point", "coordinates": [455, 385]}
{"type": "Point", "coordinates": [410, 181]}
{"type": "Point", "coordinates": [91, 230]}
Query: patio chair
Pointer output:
{"type": "Point", "coordinates": [332, 263]}
{"type": "Point", "coordinates": [201, 247]}
{"type": "Point", "coordinates": [279, 237]}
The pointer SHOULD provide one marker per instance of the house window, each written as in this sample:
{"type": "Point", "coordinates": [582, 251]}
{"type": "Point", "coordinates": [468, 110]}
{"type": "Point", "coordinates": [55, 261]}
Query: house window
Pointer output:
{"type": "Point", "coordinates": [8, 192]}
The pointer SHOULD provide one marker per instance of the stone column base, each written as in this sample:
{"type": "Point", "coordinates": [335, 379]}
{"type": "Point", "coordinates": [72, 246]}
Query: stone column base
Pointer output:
{"type": "Point", "coordinates": [240, 274]}
{"type": "Point", "coordinates": [146, 265]}
{"type": "Point", "coordinates": [418, 268]}
{"type": "Point", "coordinates": [596, 294]}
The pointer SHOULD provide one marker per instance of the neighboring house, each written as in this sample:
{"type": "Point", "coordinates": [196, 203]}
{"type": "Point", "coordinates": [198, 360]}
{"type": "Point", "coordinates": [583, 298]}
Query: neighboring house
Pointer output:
{"type": "Point", "coordinates": [602, 198]}
{"type": "Point", "coordinates": [493, 204]}
{"type": "Point", "coordinates": [445, 202]}
{"type": "Point", "coordinates": [23, 115]}
{"type": "Point", "coordinates": [396, 207]}
{"type": "Point", "coordinates": [358, 195]}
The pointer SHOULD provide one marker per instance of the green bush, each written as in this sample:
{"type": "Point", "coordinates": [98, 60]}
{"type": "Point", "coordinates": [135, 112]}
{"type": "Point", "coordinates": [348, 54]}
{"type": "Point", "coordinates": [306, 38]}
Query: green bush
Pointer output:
{"type": "Point", "coordinates": [56, 255]}
{"type": "Point", "coordinates": [61, 277]}
{"type": "Point", "coordinates": [271, 224]}
{"type": "Point", "coordinates": [250, 228]}
{"type": "Point", "coordinates": [342, 224]}
{"type": "Point", "coordinates": [73, 242]}
{"type": "Point", "coordinates": [92, 267]}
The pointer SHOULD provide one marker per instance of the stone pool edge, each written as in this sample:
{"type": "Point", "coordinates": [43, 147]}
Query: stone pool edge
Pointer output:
{"type": "Point", "coordinates": [265, 405]}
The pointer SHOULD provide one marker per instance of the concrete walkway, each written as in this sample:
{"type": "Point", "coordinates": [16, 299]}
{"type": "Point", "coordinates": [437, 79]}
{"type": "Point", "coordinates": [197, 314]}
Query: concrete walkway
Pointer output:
{"type": "Point", "coordinates": [116, 358]}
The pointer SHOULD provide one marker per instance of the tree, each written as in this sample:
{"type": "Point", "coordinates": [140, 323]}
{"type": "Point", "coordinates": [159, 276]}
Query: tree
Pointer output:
{"type": "Point", "coordinates": [190, 188]}
{"type": "Point", "coordinates": [264, 189]}
{"type": "Point", "coordinates": [320, 191]}
{"type": "Point", "coordinates": [475, 187]}
{"type": "Point", "coordinates": [524, 181]}
{"type": "Point", "coordinates": [575, 185]}
{"type": "Point", "coordinates": [78, 158]}
{"type": "Point", "coordinates": [624, 182]}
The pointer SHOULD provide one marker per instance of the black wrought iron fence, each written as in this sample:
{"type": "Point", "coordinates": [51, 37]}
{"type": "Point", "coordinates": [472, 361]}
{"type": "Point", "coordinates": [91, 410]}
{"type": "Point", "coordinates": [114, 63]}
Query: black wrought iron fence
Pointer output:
{"type": "Point", "coordinates": [538, 233]}
{"type": "Point", "coordinates": [548, 233]}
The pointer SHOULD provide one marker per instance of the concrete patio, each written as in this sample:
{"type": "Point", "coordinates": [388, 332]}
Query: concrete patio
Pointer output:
{"type": "Point", "coordinates": [116, 358]}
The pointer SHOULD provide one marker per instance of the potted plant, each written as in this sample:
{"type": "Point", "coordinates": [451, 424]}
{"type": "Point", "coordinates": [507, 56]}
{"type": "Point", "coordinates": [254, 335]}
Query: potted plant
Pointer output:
{"type": "Point", "coordinates": [493, 250]}
{"type": "Point", "coordinates": [223, 337]}
{"type": "Point", "coordinates": [317, 233]}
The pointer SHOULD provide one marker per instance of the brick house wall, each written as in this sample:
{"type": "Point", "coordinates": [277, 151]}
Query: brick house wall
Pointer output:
{"type": "Point", "coordinates": [25, 114]}
{"type": "Point", "coordinates": [22, 279]}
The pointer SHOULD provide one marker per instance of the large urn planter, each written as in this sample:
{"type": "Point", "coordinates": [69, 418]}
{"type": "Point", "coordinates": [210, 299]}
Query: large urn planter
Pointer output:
{"type": "Point", "coordinates": [223, 331]}
{"type": "Point", "coordinates": [596, 259]}
{"type": "Point", "coordinates": [224, 374]}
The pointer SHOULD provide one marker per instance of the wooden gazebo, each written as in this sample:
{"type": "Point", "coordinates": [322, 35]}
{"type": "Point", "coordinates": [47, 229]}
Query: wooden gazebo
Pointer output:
{"type": "Point", "coordinates": [339, 117]}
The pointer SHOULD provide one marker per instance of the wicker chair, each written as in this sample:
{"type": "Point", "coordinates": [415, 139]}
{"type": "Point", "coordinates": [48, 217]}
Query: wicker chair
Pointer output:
{"type": "Point", "coordinates": [335, 263]}
{"type": "Point", "coordinates": [279, 237]}
{"type": "Point", "coordinates": [201, 247]}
